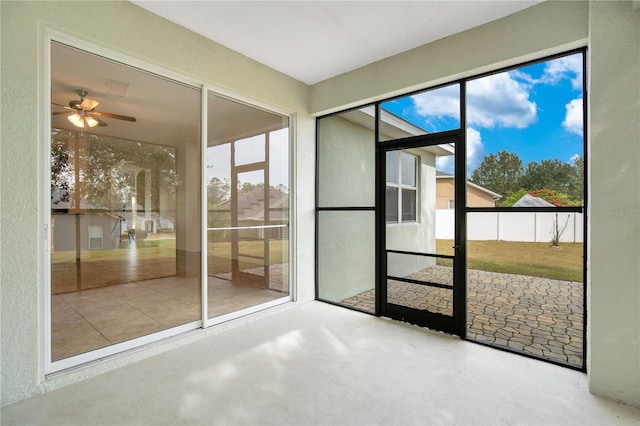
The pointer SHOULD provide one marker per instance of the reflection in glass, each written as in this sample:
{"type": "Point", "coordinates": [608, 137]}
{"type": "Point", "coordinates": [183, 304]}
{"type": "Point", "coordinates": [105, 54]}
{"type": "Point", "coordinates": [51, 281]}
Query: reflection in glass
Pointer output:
{"type": "Point", "coordinates": [117, 272]}
{"type": "Point", "coordinates": [248, 206]}
{"type": "Point", "coordinates": [125, 206]}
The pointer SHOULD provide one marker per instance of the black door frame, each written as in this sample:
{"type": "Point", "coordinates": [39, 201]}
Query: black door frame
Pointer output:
{"type": "Point", "coordinates": [457, 323]}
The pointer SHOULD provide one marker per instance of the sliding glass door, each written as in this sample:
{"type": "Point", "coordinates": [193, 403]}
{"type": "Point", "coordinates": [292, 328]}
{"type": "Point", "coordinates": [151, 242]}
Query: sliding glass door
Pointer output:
{"type": "Point", "coordinates": [247, 182]}
{"type": "Point", "coordinates": [128, 231]}
{"type": "Point", "coordinates": [125, 203]}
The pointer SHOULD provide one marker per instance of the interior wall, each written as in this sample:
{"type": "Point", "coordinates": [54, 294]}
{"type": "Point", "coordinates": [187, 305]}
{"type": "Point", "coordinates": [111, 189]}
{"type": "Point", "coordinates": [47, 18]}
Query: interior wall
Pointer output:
{"type": "Point", "coordinates": [614, 292]}
{"type": "Point", "coordinates": [126, 28]}
{"type": "Point", "coordinates": [610, 30]}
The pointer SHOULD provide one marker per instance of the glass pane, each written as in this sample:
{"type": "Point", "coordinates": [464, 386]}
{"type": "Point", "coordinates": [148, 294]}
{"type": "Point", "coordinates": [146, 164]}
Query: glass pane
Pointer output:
{"type": "Point", "coordinates": [248, 242]}
{"type": "Point", "coordinates": [125, 205]}
{"type": "Point", "coordinates": [525, 142]}
{"type": "Point", "coordinates": [393, 167]}
{"type": "Point", "coordinates": [250, 150]}
{"type": "Point", "coordinates": [346, 159]}
{"type": "Point", "coordinates": [346, 258]}
{"type": "Point", "coordinates": [391, 204]}
{"type": "Point", "coordinates": [431, 111]}
{"type": "Point", "coordinates": [534, 290]}
{"type": "Point", "coordinates": [408, 205]}
{"type": "Point", "coordinates": [408, 168]}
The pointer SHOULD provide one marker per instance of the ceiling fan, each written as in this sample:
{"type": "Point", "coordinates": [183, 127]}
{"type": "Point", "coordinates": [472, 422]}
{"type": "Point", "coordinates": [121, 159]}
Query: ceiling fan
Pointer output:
{"type": "Point", "coordinates": [82, 112]}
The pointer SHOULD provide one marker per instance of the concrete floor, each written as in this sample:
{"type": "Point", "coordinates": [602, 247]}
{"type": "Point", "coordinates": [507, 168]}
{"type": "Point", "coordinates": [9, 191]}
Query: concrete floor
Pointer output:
{"type": "Point", "coordinates": [321, 364]}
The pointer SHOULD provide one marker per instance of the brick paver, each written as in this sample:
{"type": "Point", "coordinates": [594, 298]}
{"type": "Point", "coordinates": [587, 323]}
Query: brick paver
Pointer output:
{"type": "Point", "coordinates": [538, 316]}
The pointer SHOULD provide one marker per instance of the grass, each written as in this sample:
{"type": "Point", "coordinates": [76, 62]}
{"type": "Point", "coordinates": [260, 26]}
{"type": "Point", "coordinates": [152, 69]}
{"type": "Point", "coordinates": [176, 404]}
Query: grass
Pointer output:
{"type": "Point", "coordinates": [219, 253]}
{"type": "Point", "coordinates": [533, 259]}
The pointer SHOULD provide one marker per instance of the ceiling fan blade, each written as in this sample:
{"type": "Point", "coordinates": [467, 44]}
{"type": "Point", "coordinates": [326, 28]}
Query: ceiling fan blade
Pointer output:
{"type": "Point", "coordinates": [88, 104]}
{"type": "Point", "coordinates": [95, 117]}
{"type": "Point", "coordinates": [63, 106]}
{"type": "Point", "coordinates": [60, 112]}
{"type": "Point", "coordinates": [116, 116]}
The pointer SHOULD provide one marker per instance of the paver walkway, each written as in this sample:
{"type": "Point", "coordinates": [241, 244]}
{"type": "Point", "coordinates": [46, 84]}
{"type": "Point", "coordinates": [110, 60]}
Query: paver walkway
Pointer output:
{"type": "Point", "coordinates": [538, 316]}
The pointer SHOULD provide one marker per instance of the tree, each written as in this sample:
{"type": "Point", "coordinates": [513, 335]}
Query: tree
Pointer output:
{"type": "Point", "coordinates": [106, 169]}
{"type": "Point", "coordinates": [511, 198]}
{"type": "Point", "coordinates": [550, 174]}
{"type": "Point", "coordinates": [245, 187]}
{"type": "Point", "coordinates": [218, 191]}
{"type": "Point", "coordinates": [556, 198]}
{"type": "Point", "coordinates": [499, 172]}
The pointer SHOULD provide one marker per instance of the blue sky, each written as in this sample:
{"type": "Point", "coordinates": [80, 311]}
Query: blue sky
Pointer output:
{"type": "Point", "coordinates": [534, 111]}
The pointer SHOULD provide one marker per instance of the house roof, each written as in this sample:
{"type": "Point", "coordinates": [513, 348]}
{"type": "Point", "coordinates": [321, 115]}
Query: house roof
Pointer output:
{"type": "Point", "coordinates": [495, 195]}
{"type": "Point", "coordinates": [530, 201]}
{"type": "Point", "coordinates": [251, 204]}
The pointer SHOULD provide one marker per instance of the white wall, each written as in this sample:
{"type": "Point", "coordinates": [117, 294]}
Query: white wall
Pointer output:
{"type": "Point", "coordinates": [610, 30]}
{"type": "Point", "coordinates": [126, 28]}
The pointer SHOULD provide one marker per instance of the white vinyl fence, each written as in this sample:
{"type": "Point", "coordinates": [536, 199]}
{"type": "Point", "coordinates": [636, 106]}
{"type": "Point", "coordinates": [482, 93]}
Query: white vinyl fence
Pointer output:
{"type": "Point", "coordinates": [501, 226]}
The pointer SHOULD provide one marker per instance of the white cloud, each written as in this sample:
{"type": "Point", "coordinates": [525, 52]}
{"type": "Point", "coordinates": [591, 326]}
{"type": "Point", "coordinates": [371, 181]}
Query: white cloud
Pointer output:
{"type": "Point", "coordinates": [438, 103]}
{"type": "Point", "coordinates": [496, 100]}
{"type": "Point", "coordinates": [499, 100]}
{"type": "Point", "coordinates": [573, 121]}
{"type": "Point", "coordinates": [475, 154]}
{"type": "Point", "coordinates": [566, 67]}
{"type": "Point", "coordinates": [475, 149]}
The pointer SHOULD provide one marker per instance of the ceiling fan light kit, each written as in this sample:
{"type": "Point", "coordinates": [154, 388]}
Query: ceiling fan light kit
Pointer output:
{"type": "Point", "coordinates": [79, 121]}
{"type": "Point", "coordinates": [81, 113]}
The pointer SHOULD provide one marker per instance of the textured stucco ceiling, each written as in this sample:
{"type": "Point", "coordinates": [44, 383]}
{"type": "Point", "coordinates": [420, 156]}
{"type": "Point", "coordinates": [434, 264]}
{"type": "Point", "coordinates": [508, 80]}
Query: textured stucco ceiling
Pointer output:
{"type": "Point", "coordinates": [315, 40]}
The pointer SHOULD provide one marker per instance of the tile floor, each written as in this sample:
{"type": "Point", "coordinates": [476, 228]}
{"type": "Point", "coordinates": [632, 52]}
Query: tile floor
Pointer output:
{"type": "Point", "coordinates": [94, 318]}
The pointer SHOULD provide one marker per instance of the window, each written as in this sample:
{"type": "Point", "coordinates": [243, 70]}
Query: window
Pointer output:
{"type": "Point", "coordinates": [401, 190]}
{"type": "Point", "coordinates": [452, 204]}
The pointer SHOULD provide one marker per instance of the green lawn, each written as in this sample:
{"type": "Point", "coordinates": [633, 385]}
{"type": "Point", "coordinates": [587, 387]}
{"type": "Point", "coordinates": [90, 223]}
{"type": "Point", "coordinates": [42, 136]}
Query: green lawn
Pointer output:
{"type": "Point", "coordinates": [219, 253]}
{"type": "Point", "coordinates": [534, 259]}
{"type": "Point", "coordinates": [143, 249]}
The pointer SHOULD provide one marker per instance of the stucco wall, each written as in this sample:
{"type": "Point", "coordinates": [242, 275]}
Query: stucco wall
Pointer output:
{"type": "Point", "coordinates": [475, 196]}
{"type": "Point", "coordinates": [610, 30]}
{"type": "Point", "coordinates": [126, 28]}
{"type": "Point", "coordinates": [346, 251]}
{"type": "Point", "coordinates": [614, 142]}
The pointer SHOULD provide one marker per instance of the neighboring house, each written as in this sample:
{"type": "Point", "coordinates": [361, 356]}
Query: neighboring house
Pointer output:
{"type": "Point", "coordinates": [477, 196]}
{"type": "Point", "coordinates": [528, 200]}
{"type": "Point", "coordinates": [252, 212]}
